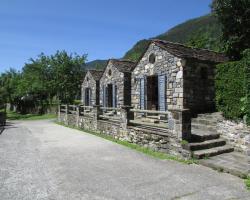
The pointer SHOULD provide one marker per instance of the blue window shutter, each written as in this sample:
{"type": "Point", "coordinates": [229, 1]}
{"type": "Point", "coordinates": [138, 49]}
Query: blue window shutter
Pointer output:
{"type": "Point", "coordinates": [142, 93]}
{"type": "Point", "coordinates": [103, 96]}
{"type": "Point", "coordinates": [162, 92]}
{"type": "Point", "coordinates": [114, 95]}
{"type": "Point", "coordinates": [106, 97]}
{"type": "Point", "coordinates": [90, 96]}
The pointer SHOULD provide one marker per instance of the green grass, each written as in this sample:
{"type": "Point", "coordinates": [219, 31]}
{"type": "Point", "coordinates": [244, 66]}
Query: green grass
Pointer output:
{"type": "Point", "coordinates": [16, 116]}
{"type": "Point", "coordinates": [147, 151]}
{"type": "Point", "coordinates": [247, 182]}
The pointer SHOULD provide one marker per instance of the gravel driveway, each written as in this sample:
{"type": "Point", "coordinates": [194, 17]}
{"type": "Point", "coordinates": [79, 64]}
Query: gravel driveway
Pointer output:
{"type": "Point", "coordinates": [42, 160]}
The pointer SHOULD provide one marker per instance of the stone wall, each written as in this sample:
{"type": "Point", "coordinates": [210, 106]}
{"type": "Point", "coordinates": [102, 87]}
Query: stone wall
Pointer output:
{"type": "Point", "coordinates": [87, 123]}
{"type": "Point", "coordinates": [237, 134]}
{"type": "Point", "coordinates": [116, 78]}
{"type": "Point", "coordinates": [199, 87]}
{"type": "Point", "coordinates": [62, 117]}
{"type": "Point", "coordinates": [90, 82]}
{"type": "Point", "coordinates": [109, 127]}
{"type": "Point", "coordinates": [165, 64]}
{"type": "Point", "coordinates": [167, 142]}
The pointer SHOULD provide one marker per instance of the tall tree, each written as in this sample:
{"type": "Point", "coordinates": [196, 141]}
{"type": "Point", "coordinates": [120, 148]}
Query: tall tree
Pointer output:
{"type": "Point", "coordinates": [235, 19]}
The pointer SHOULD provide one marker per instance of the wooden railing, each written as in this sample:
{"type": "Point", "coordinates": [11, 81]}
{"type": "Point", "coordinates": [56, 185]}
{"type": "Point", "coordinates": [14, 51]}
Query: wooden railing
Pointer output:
{"type": "Point", "coordinates": [150, 118]}
{"type": "Point", "coordinates": [110, 113]}
{"type": "Point", "coordinates": [72, 109]}
{"type": "Point", "coordinates": [63, 108]}
{"type": "Point", "coordinates": [86, 111]}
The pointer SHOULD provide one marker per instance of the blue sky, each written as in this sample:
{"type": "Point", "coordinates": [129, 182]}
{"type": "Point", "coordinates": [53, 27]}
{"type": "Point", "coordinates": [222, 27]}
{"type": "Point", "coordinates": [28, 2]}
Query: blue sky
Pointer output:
{"type": "Point", "coordinates": [100, 28]}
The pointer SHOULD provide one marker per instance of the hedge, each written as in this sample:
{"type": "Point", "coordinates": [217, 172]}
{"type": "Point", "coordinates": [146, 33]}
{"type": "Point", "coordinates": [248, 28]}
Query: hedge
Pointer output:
{"type": "Point", "coordinates": [233, 88]}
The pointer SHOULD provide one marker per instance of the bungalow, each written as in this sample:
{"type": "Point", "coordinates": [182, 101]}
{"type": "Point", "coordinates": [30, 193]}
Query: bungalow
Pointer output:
{"type": "Point", "coordinates": [115, 83]}
{"type": "Point", "coordinates": [91, 88]}
{"type": "Point", "coordinates": [173, 76]}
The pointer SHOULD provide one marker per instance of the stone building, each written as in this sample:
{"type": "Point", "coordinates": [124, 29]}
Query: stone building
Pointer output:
{"type": "Point", "coordinates": [115, 83]}
{"type": "Point", "coordinates": [173, 76]}
{"type": "Point", "coordinates": [165, 101]}
{"type": "Point", "coordinates": [91, 88]}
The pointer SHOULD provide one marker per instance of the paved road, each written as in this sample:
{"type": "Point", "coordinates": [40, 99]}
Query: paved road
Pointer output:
{"type": "Point", "coordinates": [42, 160]}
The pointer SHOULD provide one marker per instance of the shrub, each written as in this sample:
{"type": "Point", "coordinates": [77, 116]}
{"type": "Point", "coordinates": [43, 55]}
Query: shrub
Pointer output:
{"type": "Point", "coordinates": [233, 88]}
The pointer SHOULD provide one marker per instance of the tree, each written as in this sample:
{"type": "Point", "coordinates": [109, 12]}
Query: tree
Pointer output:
{"type": "Point", "coordinates": [235, 19]}
{"type": "Point", "coordinates": [67, 73]}
{"type": "Point", "coordinates": [8, 86]}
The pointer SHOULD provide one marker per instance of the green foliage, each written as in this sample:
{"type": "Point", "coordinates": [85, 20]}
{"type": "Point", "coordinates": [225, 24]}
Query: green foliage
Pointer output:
{"type": "Point", "coordinates": [42, 81]}
{"type": "Point", "coordinates": [234, 17]}
{"type": "Point", "coordinates": [96, 64]}
{"type": "Point", "coordinates": [136, 52]}
{"type": "Point", "coordinates": [247, 182]}
{"type": "Point", "coordinates": [232, 88]}
{"type": "Point", "coordinates": [202, 32]}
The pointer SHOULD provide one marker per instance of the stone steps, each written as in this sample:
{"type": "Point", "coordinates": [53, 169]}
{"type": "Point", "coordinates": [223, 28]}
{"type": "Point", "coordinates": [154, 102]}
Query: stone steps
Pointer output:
{"type": "Point", "coordinates": [205, 141]}
{"type": "Point", "coordinates": [201, 136]}
{"type": "Point", "coordinates": [205, 145]}
{"type": "Point", "coordinates": [203, 127]}
{"type": "Point", "coordinates": [212, 152]}
{"type": "Point", "coordinates": [211, 122]}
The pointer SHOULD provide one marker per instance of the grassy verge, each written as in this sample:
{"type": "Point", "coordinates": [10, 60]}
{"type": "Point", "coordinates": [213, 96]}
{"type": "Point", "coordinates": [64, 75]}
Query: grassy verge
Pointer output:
{"type": "Point", "coordinates": [247, 182]}
{"type": "Point", "coordinates": [147, 151]}
{"type": "Point", "coordinates": [16, 116]}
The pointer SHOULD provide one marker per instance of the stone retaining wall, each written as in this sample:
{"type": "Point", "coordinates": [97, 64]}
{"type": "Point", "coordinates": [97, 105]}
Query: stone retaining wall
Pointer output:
{"type": "Point", "coordinates": [167, 142]}
{"type": "Point", "coordinates": [237, 134]}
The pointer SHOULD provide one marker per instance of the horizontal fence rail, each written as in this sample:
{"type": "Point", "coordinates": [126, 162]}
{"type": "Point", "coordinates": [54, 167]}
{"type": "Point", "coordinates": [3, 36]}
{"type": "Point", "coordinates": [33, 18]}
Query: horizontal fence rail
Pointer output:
{"type": "Point", "coordinates": [153, 118]}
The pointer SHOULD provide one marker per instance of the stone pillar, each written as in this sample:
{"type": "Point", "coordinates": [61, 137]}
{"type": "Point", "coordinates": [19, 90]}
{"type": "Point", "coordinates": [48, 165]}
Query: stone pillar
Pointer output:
{"type": "Point", "coordinates": [66, 114]}
{"type": "Point", "coordinates": [180, 123]}
{"type": "Point", "coordinates": [77, 116]}
{"type": "Point", "coordinates": [126, 115]}
{"type": "Point", "coordinates": [59, 113]}
{"type": "Point", "coordinates": [96, 114]}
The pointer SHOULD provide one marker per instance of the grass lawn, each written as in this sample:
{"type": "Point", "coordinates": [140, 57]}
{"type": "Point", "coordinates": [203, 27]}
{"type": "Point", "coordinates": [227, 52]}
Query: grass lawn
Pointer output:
{"type": "Point", "coordinates": [16, 116]}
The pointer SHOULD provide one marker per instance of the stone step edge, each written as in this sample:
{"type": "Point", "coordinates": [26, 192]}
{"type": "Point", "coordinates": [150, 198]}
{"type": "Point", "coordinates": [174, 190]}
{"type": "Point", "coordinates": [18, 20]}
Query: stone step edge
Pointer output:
{"type": "Point", "coordinates": [198, 136]}
{"type": "Point", "coordinates": [205, 144]}
{"type": "Point", "coordinates": [212, 152]}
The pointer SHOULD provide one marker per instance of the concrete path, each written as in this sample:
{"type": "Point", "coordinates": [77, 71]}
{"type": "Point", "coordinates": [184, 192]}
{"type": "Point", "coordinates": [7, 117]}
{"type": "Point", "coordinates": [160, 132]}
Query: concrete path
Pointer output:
{"type": "Point", "coordinates": [42, 160]}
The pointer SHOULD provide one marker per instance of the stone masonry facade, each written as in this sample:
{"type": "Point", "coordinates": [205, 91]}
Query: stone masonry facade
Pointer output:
{"type": "Point", "coordinates": [184, 79]}
{"type": "Point", "coordinates": [91, 81]}
{"type": "Point", "coordinates": [165, 64]}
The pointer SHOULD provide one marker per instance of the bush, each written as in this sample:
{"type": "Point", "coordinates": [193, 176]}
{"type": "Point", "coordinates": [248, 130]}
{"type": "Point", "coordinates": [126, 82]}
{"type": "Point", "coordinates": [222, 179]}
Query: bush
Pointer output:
{"type": "Point", "coordinates": [233, 88]}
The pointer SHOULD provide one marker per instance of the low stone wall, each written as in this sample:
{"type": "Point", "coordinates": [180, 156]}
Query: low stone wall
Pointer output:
{"type": "Point", "coordinates": [162, 142]}
{"type": "Point", "coordinates": [72, 120]}
{"type": "Point", "coordinates": [62, 117]}
{"type": "Point", "coordinates": [166, 140]}
{"type": "Point", "coordinates": [110, 128]}
{"type": "Point", "coordinates": [87, 123]}
{"type": "Point", "coordinates": [237, 134]}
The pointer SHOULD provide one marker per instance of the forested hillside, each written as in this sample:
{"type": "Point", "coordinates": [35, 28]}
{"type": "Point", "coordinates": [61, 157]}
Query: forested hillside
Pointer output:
{"type": "Point", "coordinates": [202, 32]}
{"type": "Point", "coordinates": [96, 64]}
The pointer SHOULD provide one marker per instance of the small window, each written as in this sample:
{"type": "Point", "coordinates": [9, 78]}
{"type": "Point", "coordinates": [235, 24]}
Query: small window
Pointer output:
{"type": "Point", "coordinates": [87, 78]}
{"type": "Point", "coordinates": [109, 72]}
{"type": "Point", "coordinates": [152, 58]}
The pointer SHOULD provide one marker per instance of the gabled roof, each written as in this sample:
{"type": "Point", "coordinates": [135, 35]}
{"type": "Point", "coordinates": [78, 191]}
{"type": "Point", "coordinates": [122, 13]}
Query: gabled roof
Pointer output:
{"type": "Point", "coordinates": [96, 74]}
{"type": "Point", "coordinates": [123, 65]}
{"type": "Point", "coordinates": [182, 51]}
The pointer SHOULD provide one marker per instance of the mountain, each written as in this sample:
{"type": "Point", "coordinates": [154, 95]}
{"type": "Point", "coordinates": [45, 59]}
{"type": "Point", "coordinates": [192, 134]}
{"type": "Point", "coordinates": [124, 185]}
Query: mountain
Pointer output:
{"type": "Point", "coordinates": [96, 64]}
{"type": "Point", "coordinates": [201, 32]}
